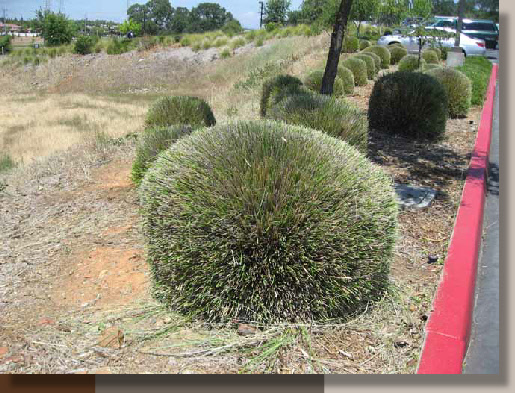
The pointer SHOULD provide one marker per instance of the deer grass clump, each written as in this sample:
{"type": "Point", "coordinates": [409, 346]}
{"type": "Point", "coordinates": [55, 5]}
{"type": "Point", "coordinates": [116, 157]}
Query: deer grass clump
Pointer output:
{"type": "Point", "coordinates": [171, 110]}
{"type": "Point", "coordinates": [329, 115]}
{"type": "Point", "coordinates": [458, 88]}
{"type": "Point", "coordinates": [347, 78]}
{"type": "Point", "coordinates": [410, 104]}
{"type": "Point", "coordinates": [358, 68]}
{"type": "Point", "coordinates": [411, 63]}
{"type": "Point", "coordinates": [152, 142]}
{"type": "Point", "coordinates": [382, 52]}
{"type": "Point", "coordinates": [430, 56]}
{"type": "Point", "coordinates": [276, 89]}
{"type": "Point", "coordinates": [313, 81]}
{"type": "Point", "coordinates": [397, 52]}
{"type": "Point", "coordinates": [371, 67]}
{"type": "Point", "coordinates": [267, 222]}
{"type": "Point", "coordinates": [376, 58]}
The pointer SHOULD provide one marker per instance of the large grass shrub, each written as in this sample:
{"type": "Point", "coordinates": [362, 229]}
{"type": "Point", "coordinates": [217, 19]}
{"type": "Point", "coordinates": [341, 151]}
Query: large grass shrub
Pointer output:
{"type": "Point", "coordinates": [458, 88]}
{"type": "Point", "coordinates": [478, 70]}
{"type": "Point", "coordinates": [313, 81]}
{"type": "Point", "coordinates": [410, 63]}
{"type": "Point", "coordinates": [350, 44]}
{"type": "Point", "coordinates": [377, 59]}
{"type": "Point", "coordinates": [397, 52]}
{"type": "Point", "coordinates": [430, 56]}
{"type": "Point", "coordinates": [168, 111]}
{"type": "Point", "coordinates": [276, 89]}
{"type": "Point", "coordinates": [364, 44]}
{"type": "Point", "coordinates": [382, 52]}
{"type": "Point", "coordinates": [152, 142]}
{"type": "Point", "coordinates": [371, 67]}
{"type": "Point", "coordinates": [267, 222]}
{"type": "Point", "coordinates": [411, 104]}
{"type": "Point", "coordinates": [431, 66]}
{"type": "Point", "coordinates": [347, 78]}
{"type": "Point", "coordinates": [320, 112]}
{"type": "Point", "coordinates": [358, 68]}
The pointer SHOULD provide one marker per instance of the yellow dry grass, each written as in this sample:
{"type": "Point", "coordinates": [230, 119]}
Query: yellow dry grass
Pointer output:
{"type": "Point", "coordinates": [36, 126]}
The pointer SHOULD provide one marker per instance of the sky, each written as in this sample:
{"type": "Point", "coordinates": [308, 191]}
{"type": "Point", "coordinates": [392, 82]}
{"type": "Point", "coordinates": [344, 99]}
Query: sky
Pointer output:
{"type": "Point", "coordinates": [246, 11]}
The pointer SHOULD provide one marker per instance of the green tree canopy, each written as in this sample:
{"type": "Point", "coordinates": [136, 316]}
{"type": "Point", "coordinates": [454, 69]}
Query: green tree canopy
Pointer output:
{"type": "Point", "coordinates": [208, 16]}
{"type": "Point", "coordinates": [56, 29]}
{"type": "Point", "coordinates": [276, 11]}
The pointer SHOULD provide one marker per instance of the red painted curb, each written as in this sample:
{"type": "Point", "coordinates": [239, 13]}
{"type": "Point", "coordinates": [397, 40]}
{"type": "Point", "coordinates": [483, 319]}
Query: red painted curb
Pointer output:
{"type": "Point", "coordinates": [448, 328]}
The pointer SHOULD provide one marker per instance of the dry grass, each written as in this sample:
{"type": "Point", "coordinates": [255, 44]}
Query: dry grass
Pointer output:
{"type": "Point", "coordinates": [36, 126]}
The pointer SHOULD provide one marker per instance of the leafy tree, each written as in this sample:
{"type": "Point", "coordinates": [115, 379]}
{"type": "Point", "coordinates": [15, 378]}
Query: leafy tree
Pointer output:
{"type": "Point", "coordinates": [364, 10]}
{"type": "Point", "coordinates": [392, 11]}
{"type": "Point", "coordinates": [207, 17]}
{"type": "Point", "coordinates": [311, 10]}
{"type": "Point", "coordinates": [5, 44]}
{"type": "Point", "coordinates": [130, 25]}
{"type": "Point", "coordinates": [232, 27]}
{"type": "Point", "coordinates": [181, 20]}
{"type": "Point", "coordinates": [277, 11]}
{"type": "Point", "coordinates": [421, 8]}
{"type": "Point", "coordinates": [443, 7]}
{"type": "Point", "coordinates": [154, 16]}
{"type": "Point", "coordinates": [294, 17]}
{"type": "Point", "coordinates": [56, 29]}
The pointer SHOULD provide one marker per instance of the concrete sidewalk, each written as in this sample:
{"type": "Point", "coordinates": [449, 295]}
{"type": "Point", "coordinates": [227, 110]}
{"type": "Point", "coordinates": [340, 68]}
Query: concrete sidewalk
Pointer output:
{"type": "Point", "coordinates": [483, 352]}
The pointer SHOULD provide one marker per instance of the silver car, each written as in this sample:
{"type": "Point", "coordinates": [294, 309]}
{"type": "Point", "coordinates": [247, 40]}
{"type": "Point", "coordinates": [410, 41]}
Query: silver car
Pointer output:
{"type": "Point", "coordinates": [470, 46]}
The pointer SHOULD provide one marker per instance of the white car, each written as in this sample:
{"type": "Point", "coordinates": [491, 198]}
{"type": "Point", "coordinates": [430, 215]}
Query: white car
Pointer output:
{"type": "Point", "coordinates": [470, 46]}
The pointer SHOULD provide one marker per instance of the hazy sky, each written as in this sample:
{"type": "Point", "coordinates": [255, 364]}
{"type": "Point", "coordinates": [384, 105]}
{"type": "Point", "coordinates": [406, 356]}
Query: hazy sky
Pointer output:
{"type": "Point", "coordinates": [246, 11]}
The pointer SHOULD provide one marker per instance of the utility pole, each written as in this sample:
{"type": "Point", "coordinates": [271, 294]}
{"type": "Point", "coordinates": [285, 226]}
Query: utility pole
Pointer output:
{"type": "Point", "coordinates": [5, 21]}
{"type": "Point", "coordinates": [85, 21]}
{"type": "Point", "coordinates": [261, 14]}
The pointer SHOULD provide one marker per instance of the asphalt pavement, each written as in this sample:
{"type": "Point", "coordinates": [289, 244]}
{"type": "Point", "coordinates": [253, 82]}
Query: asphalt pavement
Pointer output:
{"type": "Point", "coordinates": [483, 352]}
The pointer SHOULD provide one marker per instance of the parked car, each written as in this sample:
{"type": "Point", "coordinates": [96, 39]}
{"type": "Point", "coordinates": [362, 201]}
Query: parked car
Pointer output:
{"type": "Point", "coordinates": [474, 28]}
{"type": "Point", "coordinates": [470, 46]}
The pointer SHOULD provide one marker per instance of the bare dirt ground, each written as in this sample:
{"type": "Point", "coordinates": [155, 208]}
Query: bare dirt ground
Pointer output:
{"type": "Point", "coordinates": [75, 293]}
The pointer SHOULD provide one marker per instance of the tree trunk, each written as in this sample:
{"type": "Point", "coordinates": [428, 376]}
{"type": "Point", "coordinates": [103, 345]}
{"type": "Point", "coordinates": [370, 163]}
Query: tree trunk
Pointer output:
{"type": "Point", "coordinates": [333, 58]}
{"type": "Point", "coordinates": [460, 22]}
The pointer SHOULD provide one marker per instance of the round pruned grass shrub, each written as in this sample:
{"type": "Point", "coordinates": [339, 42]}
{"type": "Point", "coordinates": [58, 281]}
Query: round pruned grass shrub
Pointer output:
{"type": "Point", "coordinates": [276, 89]}
{"type": "Point", "coordinates": [171, 110]}
{"type": "Point", "coordinates": [411, 104]}
{"type": "Point", "coordinates": [364, 44]}
{"type": "Point", "coordinates": [377, 59]}
{"type": "Point", "coordinates": [371, 67]}
{"type": "Point", "coordinates": [438, 52]}
{"type": "Point", "coordinates": [382, 52]}
{"type": "Point", "coordinates": [259, 221]}
{"type": "Point", "coordinates": [320, 112]}
{"type": "Point", "coordinates": [152, 142]}
{"type": "Point", "coordinates": [458, 88]}
{"type": "Point", "coordinates": [358, 68]}
{"type": "Point", "coordinates": [430, 56]}
{"type": "Point", "coordinates": [410, 63]}
{"type": "Point", "coordinates": [350, 44]}
{"type": "Point", "coordinates": [428, 67]}
{"type": "Point", "coordinates": [313, 81]}
{"type": "Point", "coordinates": [397, 52]}
{"type": "Point", "coordinates": [347, 78]}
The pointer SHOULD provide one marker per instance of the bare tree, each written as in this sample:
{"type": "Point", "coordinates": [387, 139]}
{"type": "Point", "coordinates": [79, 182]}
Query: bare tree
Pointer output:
{"type": "Point", "coordinates": [333, 58]}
